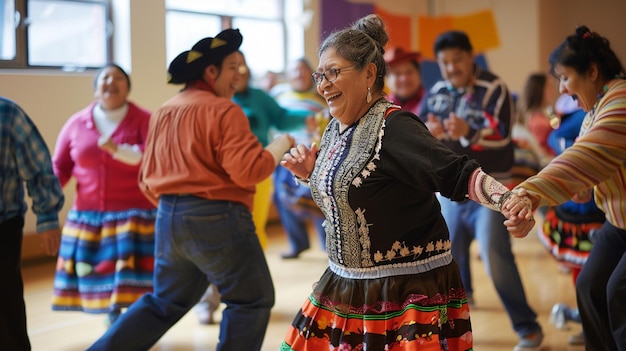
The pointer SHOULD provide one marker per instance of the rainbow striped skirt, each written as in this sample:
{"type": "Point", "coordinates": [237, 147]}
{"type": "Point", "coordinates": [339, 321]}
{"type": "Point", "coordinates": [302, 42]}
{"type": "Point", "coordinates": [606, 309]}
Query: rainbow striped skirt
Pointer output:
{"type": "Point", "coordinates": [106, 260]}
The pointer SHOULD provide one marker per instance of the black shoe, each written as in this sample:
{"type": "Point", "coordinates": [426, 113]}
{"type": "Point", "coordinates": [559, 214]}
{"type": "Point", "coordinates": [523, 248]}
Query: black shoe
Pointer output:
{"type": "Point", "coordinates": [290, 255]}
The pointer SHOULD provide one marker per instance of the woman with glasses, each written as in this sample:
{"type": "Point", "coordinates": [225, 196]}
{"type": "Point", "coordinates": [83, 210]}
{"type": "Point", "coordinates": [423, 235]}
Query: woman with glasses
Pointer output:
{"type": "Point", "coordinates": [391, 281]}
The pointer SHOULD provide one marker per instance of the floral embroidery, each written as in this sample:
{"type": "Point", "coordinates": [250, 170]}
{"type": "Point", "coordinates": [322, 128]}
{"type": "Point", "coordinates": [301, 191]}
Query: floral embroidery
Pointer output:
{"type": "Point", "coordinates": [400, 250]}
{"type": "Point", "coordinates": [364, 237]}
{"type": "Point", "coordinates": [333, 178]}
{"type": "Point", "coordinates": [371, 166]}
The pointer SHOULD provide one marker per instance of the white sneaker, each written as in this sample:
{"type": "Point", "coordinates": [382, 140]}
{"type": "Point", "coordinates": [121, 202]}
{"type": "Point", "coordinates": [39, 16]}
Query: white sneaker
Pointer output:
{"type": "Point", "coordinates": [530, 342]}
{"type": "Point", "coordinates": [557, 316]}
{"type": "Point", "coordinates": [206, 317]}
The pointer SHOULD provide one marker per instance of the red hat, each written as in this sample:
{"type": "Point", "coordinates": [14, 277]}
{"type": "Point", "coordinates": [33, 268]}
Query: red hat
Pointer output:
{"type": "Point", "coordinates": [397, 54]}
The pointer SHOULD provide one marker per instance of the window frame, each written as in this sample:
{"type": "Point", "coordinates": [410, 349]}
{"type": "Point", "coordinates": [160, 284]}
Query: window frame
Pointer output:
{"type": "Point", "coordinates": [227, 21]}
{"type": "Point", "coordinates": [21, 38]}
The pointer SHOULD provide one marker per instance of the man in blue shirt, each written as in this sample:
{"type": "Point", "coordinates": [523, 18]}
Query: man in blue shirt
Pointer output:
{"type": "Point", "coordinates": [24, 158]}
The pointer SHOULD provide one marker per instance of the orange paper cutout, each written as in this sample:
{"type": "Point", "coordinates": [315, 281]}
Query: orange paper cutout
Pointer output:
{"type": "Point", "coordinates": [428, 29]}
{"type": "Point", "coordinates": [398, 28]}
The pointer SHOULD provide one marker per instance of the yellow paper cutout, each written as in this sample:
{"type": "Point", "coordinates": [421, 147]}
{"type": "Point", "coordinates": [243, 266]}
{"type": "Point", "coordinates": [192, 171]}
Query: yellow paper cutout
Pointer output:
{"type": "Point", "coordinates": [480, 27]}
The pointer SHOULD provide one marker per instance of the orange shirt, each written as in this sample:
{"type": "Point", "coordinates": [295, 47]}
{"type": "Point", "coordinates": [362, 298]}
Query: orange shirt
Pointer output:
{"type": "Point", "coordinates": [201, 144]}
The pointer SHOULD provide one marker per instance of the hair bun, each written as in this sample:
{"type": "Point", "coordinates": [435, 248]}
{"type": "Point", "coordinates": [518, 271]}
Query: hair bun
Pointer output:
{"type": "Point", "coordinates": [583, 32]}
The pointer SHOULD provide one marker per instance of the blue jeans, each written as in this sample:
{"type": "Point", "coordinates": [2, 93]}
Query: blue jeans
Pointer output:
{"type": "Point", "coordinates": [468, 221]}
{"type": "Point", "coordinates": [294, 219]}
{"type": "Point", "coordinates": [601, 291]}
{"type": "Point", "coordinates": [197, 242]}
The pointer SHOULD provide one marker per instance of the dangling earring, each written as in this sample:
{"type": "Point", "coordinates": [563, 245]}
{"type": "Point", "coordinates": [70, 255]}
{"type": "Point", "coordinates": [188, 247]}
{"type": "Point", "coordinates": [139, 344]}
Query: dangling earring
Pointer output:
{"type": "Point", "coordinates": [369, 95]}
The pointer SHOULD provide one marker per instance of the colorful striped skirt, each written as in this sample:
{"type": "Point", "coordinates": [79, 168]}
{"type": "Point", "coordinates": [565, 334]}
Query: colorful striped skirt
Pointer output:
{"type": "Point", "coordinates": [426, 311]}
{"type": "Point", "coordinates": [566, 236]}
{"type": "Point", "coordinates": [106, 260]}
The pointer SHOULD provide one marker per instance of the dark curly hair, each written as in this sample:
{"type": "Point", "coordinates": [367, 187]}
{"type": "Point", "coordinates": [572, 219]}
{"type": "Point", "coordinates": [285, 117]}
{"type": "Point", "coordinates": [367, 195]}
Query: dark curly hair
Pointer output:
{"type": "Point", "coordinates": [583, 48]}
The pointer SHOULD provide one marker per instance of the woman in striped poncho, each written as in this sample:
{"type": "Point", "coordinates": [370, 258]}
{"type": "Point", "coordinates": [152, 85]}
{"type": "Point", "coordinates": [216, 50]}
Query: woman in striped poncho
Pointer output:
{"type": "Point", "coordinates": [588, 70]}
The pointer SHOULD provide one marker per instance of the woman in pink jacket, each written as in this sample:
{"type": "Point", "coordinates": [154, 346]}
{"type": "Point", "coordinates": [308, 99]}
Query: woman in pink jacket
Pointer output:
{"type": "Point", "coordinates": [106, 256]}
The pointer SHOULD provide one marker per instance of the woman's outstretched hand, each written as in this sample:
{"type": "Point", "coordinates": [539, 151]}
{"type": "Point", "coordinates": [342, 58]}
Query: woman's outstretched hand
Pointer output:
{"type": "Point", "coordinates": [300, 160]}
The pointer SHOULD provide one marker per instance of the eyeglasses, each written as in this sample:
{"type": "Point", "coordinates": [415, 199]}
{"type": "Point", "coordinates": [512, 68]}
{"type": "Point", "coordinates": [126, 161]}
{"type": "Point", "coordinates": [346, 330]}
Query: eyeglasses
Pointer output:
{"type": "Point", "coordinates": [330, 75]}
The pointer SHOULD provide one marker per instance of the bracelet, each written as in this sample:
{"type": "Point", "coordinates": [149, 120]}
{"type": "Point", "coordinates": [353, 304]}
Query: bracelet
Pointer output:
{"type": "Point", "coordinates": [304, 181]}
{"type": "Point", "coordinates": [503, 199]}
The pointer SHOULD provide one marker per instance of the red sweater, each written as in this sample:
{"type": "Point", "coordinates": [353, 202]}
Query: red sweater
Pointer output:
{"type": "Point", "coordinates": [102, 183]}
{"type": "Point", "coordinates": [201, 144]}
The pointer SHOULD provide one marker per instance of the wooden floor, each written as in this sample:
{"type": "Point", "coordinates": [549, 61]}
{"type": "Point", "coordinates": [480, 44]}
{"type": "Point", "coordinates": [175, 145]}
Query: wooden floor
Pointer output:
{"type": "Point", "coordinates": [544, 283]}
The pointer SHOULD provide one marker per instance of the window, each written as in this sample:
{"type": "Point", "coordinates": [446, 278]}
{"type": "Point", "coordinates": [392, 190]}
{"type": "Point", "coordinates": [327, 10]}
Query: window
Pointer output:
{"type": "Point", "coordinates": [68, 34]}
{"type": "Point", "coordinates": [271, 36]}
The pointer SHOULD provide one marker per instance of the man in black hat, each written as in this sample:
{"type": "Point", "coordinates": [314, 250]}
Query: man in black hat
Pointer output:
{"type": "Point", "coordinates": [200, 166]}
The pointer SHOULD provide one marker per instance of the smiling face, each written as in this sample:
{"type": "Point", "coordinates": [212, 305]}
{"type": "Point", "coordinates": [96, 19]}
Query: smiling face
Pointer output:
{"type": "Point", "coordinates": [226, 78]}
{"type": "Point", "coordinates": [456, 66]}
{"type": "Point", "coordinates": [404, 79]}
{"type": "Point", "coordinates": [579, 86]}
{"type": "Point", "coordinates": [346, 96]}
{"type": "Point", "coordinates": [112, 88]}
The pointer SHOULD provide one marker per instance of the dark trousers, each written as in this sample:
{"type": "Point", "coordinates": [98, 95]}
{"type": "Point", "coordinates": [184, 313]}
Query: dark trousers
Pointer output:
{"type": "Point", "coordinates": [13, 335]}
{"type": "Point", "coordinates": [601, 291]}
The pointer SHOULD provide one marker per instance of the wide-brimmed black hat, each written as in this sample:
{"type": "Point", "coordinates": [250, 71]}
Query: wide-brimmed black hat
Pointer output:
{"type": "Point", "coordinates": [190, 64]}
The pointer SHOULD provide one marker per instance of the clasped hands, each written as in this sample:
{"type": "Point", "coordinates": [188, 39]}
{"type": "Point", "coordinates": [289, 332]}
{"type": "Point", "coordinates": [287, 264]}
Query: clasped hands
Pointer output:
{"type": "Point", "coordinates": [518, 211]}
{"type": "Point", "coordinates": [452, 127]}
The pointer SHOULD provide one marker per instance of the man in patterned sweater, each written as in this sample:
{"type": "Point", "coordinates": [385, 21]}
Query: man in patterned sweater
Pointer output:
{"type": "Point", "coordinates": [470, 110]}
